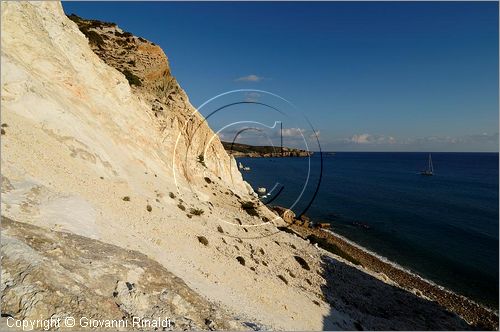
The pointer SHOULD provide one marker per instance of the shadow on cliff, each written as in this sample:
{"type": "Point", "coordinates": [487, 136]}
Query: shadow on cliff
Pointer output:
{"type": "Point", "coordinates": [360, 301]}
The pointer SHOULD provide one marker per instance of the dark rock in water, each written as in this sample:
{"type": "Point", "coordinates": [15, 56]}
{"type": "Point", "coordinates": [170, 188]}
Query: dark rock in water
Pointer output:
{"type": "Point", "coordinates": [358, 326]}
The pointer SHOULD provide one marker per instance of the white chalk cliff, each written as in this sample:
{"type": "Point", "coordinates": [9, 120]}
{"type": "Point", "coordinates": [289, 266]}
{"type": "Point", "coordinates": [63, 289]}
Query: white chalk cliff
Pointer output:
{"type": "Point", "coordinates": [86, 153]}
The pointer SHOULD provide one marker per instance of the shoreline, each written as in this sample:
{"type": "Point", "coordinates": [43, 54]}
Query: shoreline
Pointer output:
{"type": "Point", "coordinates": [479, 316]}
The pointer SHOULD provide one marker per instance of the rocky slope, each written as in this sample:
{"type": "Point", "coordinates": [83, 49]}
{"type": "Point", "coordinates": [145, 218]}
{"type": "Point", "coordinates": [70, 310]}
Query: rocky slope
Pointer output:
{"type": "Point", "coordinates": [50, 272]}
{"type": "Point", "coordinates": [89, 130]}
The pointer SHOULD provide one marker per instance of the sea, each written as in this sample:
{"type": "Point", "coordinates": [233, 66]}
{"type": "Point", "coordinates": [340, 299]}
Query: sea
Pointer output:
{"type": "Point", "coordinates": [442, 227]}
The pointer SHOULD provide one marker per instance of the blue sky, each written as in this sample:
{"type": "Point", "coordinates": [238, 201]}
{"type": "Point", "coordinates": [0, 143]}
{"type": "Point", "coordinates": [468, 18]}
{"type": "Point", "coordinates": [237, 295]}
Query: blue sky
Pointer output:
{"type": "Point", "coordinates": [388, 76]}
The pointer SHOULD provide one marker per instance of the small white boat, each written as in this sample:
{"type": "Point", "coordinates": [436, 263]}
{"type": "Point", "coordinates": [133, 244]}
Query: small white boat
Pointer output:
{"type": "Point", "coordinates": [246, 168]}
{"type": "Point", "coordinates": [261, 191]}
{"type": "Point", "coordinates": [240, 165]}
{"type": "Point", "coordinates": [430, 169]}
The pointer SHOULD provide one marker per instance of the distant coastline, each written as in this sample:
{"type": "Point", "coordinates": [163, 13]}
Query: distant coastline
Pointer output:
{"type": "Point", "coordinates": [244, 150]}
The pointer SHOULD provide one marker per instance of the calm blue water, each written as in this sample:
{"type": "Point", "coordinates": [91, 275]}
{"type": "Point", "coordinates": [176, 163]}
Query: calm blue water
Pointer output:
{"type": "Point", "coordinates": [444, 227]}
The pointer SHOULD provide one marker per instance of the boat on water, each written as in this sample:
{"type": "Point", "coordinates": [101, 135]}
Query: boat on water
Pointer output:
{"type": "Point", "coordinates": [240, 165]}
{"type": "Point", "coordinates": [430, 169]}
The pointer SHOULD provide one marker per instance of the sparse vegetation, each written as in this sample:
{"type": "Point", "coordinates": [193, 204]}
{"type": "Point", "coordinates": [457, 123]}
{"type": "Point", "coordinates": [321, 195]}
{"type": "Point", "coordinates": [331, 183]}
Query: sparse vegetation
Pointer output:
{"type": "Point", "coordinates": [201, 160]}
{"type": "Point", "coordinates": [171, 195]}
{"type": "Point", "coordinates": [249, 208]}
{"type": "Point", "coordinates": [196, 211]}
{"type": "Point", "coordinates": [149, 208]}
{"type": "Point", "coordinates": [90, 23]}
{"type": "Point", "coordinates": [126, 199]}
{"type": "Point", "coordinates": [203, 240]}
{"type": "Point", "coordinates": [241, 260]}
{"type": "Point", "coordinates": [219, 229]}
{"type": "Point", "coordinates": [131, 78]}
{"type": "Point", "coordinates": [283, 279]}
{"type": "Point", "coordinates": [2, 131]}
{"type": "Point", "coordinates": [302, 262]}
{"type": "Point", "coordinates": [207, 180]}
{"type": "Point", "coordinates": [93, 37]}
{"type": "Point", "coordinates": [182, 207]}
{"type": "Point", "coordinates": [4, 125]}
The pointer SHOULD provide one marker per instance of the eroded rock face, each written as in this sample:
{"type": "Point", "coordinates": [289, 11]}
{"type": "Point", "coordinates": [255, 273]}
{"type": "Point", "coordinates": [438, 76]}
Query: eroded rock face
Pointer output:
{"type": "Point", "coordinates": [52, 274]}
{"type": "Point", "coordinates": [146, 67]}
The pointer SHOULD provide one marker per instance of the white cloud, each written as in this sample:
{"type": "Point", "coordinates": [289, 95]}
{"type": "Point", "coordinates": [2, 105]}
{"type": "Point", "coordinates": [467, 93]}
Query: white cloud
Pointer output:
{"type": "Point", "coordinates": [370, 139]}
{"type": "Point", "coordinates": [315, 134]}
{"type": "Point", "coordinates": [249, 78]}
{"type": "Point", "coordinates": [252, 96]}
{"type": "Point", "coordinates": [293, 132]}
{"type": "Point", "coordinates": [479, 142]}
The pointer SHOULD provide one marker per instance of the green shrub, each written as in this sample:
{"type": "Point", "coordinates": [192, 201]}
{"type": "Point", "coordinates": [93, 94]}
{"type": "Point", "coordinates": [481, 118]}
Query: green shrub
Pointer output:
{"type": "Point", "coordinates": [201, 160]}
{"type": "Point", "coordinates": [196, 211]}
{"type": "Point", "coordinates": [131, 78]}
{"type": "Point", "coordinates": [283, 279]}
{"type": "Point", "coordinates": [203, 240]}
{"type": "Point", "coordinates": [93, 37]}
{"type": "Point", "coordinates": [250, 208]}
{"type": "Point", "coordinates": [241, 260]}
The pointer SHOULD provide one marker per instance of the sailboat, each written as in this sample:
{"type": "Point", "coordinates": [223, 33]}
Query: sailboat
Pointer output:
{"type": "Point", "coordinates": [430, 169]}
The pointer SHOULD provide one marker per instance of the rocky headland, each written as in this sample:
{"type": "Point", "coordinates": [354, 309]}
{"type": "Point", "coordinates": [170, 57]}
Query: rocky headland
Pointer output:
{"type": "Point", "coordinates": [244, 150]}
